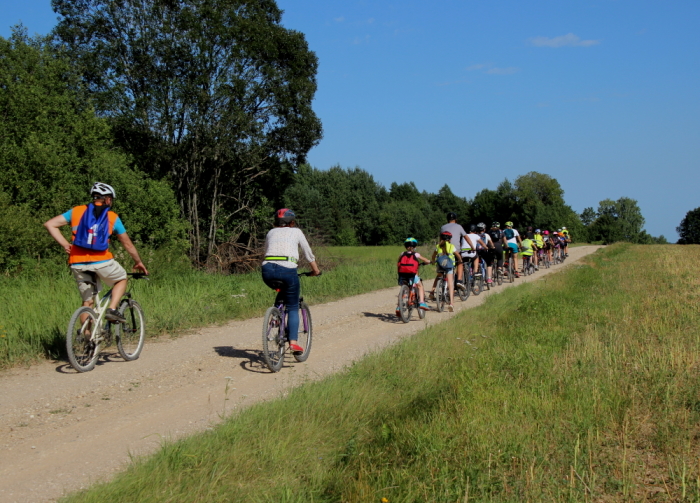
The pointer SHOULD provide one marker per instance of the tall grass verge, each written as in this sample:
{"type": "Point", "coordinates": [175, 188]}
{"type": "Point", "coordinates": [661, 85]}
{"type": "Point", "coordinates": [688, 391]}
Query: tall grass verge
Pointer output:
{"type": "Point", "coordinates": [580, 387]}
{"type": "Point", "coordinates": [35, 307]}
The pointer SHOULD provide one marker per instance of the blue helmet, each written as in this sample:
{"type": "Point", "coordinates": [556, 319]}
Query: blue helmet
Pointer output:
{"type": "Point", "coordinates": [410, 242]}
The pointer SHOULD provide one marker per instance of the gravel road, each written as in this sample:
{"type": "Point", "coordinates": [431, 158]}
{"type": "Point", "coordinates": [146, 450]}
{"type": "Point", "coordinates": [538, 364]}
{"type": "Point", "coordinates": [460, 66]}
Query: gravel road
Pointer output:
{"type": "Point", "coordinates": [61, 431]}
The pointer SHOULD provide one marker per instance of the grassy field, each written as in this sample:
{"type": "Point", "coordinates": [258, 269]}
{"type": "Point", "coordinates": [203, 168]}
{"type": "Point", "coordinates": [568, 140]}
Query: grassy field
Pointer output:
{"type": "Point", "coordinates": [35, 308]}
{"type": "Point", "coordinates": [580, 387]}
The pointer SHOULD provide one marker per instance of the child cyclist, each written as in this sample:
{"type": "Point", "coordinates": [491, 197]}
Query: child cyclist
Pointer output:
{"type": "Point", "coordinates": [446, 265]}
{"type": "Point", "coordinates": [408, 271]}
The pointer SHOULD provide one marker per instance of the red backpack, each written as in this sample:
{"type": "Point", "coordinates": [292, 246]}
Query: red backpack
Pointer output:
{"type": "Point", "coordinates": [408, 263]}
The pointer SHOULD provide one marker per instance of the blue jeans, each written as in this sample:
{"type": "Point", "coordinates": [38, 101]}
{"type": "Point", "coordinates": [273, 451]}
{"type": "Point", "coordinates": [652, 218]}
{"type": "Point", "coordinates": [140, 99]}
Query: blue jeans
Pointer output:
{"type": "Point", "coordinates": [289, 294]}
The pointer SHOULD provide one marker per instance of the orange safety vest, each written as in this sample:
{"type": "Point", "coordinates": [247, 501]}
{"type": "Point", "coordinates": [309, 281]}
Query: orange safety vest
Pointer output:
{"type": "Point", "coordinates": [79, 255]}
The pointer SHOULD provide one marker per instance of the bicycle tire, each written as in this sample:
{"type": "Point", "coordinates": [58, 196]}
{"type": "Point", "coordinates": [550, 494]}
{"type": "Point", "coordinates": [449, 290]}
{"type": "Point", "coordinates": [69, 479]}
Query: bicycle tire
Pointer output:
{"type": "Point", "coordinates": [82, 353]}
{"type": "Point", "coordinates": [478, 285]}
{"type": "Point", "coordinates": [511, 272]}
{"type": "Point", "coordinates": [463, 290]}
{"type": "Point", "coordinates": [273, 341]}
{"type": "Point", "coordinates": [132, 334]}
{"type": "Point", "coordinates": [405, 303]}
{"type": "Point", "coordinates": [305, 337]}
{"type": "Point", "coordinates": [440, 295]}
{"type": "Point", "coordinates": [421, 312]}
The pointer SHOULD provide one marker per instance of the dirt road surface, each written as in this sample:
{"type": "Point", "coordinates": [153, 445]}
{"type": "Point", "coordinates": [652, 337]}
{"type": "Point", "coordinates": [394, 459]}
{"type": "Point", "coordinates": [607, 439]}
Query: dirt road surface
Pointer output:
{"type": "Point", "coordinates": [61, 431]}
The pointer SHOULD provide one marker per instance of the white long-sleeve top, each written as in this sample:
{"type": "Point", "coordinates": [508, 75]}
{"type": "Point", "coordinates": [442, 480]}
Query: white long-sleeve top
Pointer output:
{"type": "Point", "coordinates": [285, 242]}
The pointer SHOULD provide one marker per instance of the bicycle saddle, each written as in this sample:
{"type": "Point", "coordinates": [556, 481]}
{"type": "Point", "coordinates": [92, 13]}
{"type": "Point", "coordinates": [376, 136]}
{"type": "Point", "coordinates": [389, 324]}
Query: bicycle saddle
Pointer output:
{"type": "Point", "coordinates": [276, 284]}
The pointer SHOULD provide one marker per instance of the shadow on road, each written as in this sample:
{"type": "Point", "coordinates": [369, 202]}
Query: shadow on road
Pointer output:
{"type": "Point", "coordinates": [385, 317]}
{"type": "Point", "coordinates": [252, 359]}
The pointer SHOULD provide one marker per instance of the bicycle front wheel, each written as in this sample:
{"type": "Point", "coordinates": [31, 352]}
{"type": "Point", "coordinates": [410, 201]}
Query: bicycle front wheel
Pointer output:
{"type": "Point", "coordinates": [273, 339]}
{"type": "Point", "coordinates": [478, 285]}
{"type": "Point", "coordinates": [82, 350]}
{"type": "Point", "coordinates": [305, 332]}
{"type": "Point", "coordinates": [405, 303]}
{"type": "Point", "coordinates": [131, 334]}
{"type": "Point", "coordinates": [440, 295]}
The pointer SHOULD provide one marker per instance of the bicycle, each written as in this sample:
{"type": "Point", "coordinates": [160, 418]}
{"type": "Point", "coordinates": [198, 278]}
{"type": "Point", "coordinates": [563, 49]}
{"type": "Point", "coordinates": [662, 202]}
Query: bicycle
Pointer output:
{"type": "Point", "coordinates": [408, 299]}
{"type": "Point", "coordinates": [89, 332]}
{"type": "Point", "coordinates": [463, 289]}
{"type": "Point", "coordinates": [442, 292]}
{"type": "Point", "coordinates": [528, 265]}
{"type": "Point", "coordinates": [508, 265]}
{"type": "Point", "coordinates": [275, 330]}
{"type": "Point", "coordinates": [543, 258]}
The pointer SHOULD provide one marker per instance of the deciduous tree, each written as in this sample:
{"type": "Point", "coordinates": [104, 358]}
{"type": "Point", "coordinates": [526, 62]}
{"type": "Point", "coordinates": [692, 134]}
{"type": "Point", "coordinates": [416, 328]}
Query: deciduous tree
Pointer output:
{"type": "Point", "coordinates": [689, 228]}
{"type": "Point", "coordinates": [215, 95]}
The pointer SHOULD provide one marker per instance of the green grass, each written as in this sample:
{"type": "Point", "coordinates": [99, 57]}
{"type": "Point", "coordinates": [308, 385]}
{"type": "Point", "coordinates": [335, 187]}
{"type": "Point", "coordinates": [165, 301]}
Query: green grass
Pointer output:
{"type": "Point", "coordinates": [35, 308]}
{"type": "Point", "coordinates": [580, 387]}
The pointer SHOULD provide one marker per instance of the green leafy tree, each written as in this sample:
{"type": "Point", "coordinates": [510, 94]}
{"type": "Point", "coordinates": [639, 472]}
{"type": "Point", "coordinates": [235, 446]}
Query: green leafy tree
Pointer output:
{"type": "Point", "coordinates": [215, 95]}
{"type": "Point", "coordinates": [619, 220]}
{"type": "Point", "coordinates": [689, 228]}
{"type": "Point", "coordinates": [53, 147]}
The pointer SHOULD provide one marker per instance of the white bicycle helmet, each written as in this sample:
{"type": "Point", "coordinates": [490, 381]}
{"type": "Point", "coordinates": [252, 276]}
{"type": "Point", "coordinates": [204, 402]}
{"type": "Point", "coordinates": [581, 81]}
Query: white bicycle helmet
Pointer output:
{"type": "Point", "coordinates": [103, 189]}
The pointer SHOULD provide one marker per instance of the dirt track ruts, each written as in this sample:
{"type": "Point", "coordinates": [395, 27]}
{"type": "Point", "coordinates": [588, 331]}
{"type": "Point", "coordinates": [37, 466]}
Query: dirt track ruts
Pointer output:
{"type": "Point", "coordinates": [61, 431]}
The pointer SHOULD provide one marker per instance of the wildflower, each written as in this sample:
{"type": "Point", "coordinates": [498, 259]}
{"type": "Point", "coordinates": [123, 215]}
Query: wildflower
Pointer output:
{"type": "Point", "coordinates": [384, 500]}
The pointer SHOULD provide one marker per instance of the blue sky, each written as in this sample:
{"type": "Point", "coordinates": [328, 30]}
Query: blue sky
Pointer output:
{"type": "Point", "coordinates": [601, 95]}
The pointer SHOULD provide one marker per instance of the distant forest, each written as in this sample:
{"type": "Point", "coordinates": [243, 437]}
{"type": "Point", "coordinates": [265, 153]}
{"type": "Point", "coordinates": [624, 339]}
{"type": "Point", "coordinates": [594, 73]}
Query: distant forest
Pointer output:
{"type": "Point", "coordinates": [202, 122]}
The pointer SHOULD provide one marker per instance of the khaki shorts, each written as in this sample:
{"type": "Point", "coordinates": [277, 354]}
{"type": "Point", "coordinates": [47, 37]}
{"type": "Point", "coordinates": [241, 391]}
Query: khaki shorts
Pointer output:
{"type": "Point", "coordinates": [107, 272]}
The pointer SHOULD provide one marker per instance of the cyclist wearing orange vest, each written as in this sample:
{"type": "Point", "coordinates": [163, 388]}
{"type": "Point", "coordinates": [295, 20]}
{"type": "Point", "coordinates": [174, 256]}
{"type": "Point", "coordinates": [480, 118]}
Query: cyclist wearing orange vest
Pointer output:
{"type": "Point", "coordinates": [83, 261]}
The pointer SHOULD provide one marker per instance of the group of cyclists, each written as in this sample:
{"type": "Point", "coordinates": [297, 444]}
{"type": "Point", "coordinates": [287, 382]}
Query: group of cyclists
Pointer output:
{"type": "Point", "coordinates": [459, 254]}
{"type": "Point", "coordinates": [88, 253]}
{"type": "Point", "coordinates": [456, 253]}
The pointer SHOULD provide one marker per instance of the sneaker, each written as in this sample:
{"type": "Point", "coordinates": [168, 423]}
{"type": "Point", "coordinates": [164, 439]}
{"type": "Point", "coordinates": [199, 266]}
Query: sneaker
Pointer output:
{"type": "Point", "coordinates": [489, 281]}
{"type": "Point", "coordinates": [431, 295]}
{"type": "Point", "coordinates": [398, 313]}
{"type": "Point", "coordinates": [537, 268]}
{"type": "Point", "coordinates": [295, 348]}
{"type": "Point", "coordinates": [451, 308]}
{"type": "Point", "coordinates": [113, 315]}
{"type": "Point", "coordinates": [424, 306]}
{"type": "Point", "coordinates": [517, 274]}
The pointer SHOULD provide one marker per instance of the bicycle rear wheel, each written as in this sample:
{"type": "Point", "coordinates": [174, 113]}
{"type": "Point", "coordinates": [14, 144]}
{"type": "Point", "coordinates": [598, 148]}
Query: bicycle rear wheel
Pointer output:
{"type": "Point", "coordinates": [273, 339]}
{"type": "Point", "coordinates": [511, 272]}
{"type": "Point", "coordinates": [478, 284]}
{"type": "Point", "coordinates": [305, 332]}
{"type": "Point", "coordinates": [416, 296]}
{"type": "Point", "coordinates": [82, 351]}
{"type": "Point", "coordinates": [405, 303]}
{"type": "Point", "coordinates": [440, 295]}
{"type": "Point", "coordinates": [463, 289]}
{"type": "Point", "coordinates": [132, 334]}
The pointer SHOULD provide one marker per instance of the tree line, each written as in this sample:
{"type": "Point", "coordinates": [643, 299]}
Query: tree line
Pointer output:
{"type": "Point", "coordinates": [199, 113]}
{"type": "Point", "coordinates": [348, 207]}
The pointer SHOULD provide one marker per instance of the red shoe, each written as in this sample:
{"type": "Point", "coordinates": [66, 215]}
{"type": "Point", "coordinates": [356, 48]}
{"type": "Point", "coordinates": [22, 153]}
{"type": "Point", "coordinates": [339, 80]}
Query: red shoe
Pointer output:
{"type": "Point", "coordinates": [295, 348]}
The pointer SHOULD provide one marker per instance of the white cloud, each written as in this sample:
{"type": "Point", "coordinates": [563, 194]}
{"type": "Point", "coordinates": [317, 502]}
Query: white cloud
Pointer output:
{"type": "Point", "coordinates": [503, 71]}
{"type": "Point", "coordinates": [562, 41]}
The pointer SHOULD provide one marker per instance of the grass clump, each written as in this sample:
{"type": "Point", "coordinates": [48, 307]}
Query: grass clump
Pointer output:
{"type": "Point", "coordinates": [580, 387]}
{"type": "Point", "coordinates": [35, 307]}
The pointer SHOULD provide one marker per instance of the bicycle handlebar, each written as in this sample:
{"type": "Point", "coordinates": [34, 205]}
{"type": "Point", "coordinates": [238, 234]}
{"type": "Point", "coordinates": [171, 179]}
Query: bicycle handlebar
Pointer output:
{"type": "Point", "coordinates": [308, 274]}
{"type": "Point", "coordinates": [138, 275]}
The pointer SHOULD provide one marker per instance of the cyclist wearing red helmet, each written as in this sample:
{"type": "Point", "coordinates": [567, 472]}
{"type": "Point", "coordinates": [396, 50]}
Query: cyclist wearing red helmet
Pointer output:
{"type": "Point", "coordinates": [280, 264]}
